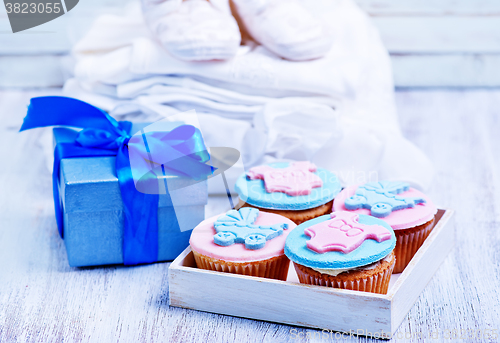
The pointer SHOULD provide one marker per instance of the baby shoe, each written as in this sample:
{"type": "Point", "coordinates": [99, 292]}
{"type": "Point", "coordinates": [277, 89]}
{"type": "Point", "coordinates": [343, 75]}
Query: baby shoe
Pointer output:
{"type": "Point", "coordinates": [284, 27]}
{"type": "Point", "coordinates": [193, 30]}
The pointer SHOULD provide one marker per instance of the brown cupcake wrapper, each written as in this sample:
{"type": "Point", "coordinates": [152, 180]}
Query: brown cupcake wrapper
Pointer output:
{"type": "Point", "coordinates": [408, 241]}
{"type": "Point", "coordinates": [273, 268]}
{"type": "Point", "coordinates": [375, 283]}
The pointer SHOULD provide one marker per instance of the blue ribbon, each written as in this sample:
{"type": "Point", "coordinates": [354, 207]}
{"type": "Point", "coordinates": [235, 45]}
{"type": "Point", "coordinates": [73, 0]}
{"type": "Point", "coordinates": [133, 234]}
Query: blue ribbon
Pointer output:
{"type": "Point", "coordinates": [179, 152]}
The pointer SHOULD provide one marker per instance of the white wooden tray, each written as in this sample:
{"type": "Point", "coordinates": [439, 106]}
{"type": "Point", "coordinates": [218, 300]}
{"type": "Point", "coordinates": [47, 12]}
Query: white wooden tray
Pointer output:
{"type": "Point", "coordinates": [290, 302]}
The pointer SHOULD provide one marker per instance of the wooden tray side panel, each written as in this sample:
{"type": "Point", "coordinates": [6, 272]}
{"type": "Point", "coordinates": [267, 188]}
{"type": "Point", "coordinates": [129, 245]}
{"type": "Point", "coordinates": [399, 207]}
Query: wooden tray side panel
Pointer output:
{"type": "Point", "coordinates": [278, 301]}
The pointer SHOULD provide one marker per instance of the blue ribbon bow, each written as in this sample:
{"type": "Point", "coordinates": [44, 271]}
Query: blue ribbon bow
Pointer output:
{"type": "Point", "coordinates": [179, 152]}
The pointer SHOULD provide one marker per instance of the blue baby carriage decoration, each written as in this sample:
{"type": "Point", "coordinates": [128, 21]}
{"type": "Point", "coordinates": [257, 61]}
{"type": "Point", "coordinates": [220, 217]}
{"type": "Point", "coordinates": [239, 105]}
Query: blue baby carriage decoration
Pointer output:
{"type": "Point", "coordinates": [237, 227]}
{"type": "Point", "coordinates": [381, 199]}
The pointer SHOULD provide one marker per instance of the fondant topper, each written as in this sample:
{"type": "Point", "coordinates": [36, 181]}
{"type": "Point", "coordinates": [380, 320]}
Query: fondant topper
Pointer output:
{"type": "Point", "coordinates": [238, 227]}
{"type": "Point", "coordinates": [297, 179]}
{"type": "Point", "coordinates": [381, 198]}
{"type": "Point", "coordinates": [343, 233]}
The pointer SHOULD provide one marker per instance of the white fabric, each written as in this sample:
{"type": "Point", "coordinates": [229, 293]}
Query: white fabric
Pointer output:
{"type": "Point", "coordinates": [337, 111]}
{"type": "Point", "coordinates": [284, 27]}
{"type": "Point", "coordinates": [193, 30]}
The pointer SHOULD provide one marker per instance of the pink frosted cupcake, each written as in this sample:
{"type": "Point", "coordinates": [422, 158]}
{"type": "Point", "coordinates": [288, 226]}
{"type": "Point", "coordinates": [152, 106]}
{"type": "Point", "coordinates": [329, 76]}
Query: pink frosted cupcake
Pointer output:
{"type": "Point", "coordinates": [246, 241]}
{"type": "Point", "coordinates": [409, 212]}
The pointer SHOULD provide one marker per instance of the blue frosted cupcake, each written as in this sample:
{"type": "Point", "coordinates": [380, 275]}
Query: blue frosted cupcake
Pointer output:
{"type": "Point", "coordinates": [297, 190]}
{"type": "Point", "coordinates": [343, 250]}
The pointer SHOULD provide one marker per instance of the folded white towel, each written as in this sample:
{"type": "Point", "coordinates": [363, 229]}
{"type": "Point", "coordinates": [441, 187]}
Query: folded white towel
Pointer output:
{"type": "Point", "coordinates": [337, 111]}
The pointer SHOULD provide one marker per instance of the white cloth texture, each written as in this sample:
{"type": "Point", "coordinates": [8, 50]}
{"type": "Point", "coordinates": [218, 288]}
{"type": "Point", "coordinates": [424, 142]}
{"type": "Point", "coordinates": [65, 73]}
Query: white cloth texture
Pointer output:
{"type": "Point", "coordinates": [337, 111]}
{"type": "Point", "coordinates": [193, 30]}
{"type": "Point", "coordinates": [284, 27]}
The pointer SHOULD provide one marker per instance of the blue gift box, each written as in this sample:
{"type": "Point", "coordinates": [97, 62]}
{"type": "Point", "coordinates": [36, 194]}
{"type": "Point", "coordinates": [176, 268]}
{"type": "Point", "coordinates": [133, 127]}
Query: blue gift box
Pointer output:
{"type": "Point", "coordinates": [92, 208]}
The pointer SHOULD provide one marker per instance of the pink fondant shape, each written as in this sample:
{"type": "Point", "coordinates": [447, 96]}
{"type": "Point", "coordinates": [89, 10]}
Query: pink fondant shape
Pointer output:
{"type": "Point", "coordinates": [343, 233]}
{"type": "Point", "coordinates": [296, 179]}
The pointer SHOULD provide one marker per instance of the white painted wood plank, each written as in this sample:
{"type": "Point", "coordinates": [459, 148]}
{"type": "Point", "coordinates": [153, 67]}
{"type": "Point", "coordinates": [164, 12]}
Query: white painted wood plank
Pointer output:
{"type": "Point", "coordinates": [460, 70]}
{"type": "Point", "coordinates": [430, 7]}
{"type": "Point", "coordinates": [32, 71]}
{"type": "Point", "coordinates": [432, 35]}
{"type": "Point", "coordinates": [50, 38]}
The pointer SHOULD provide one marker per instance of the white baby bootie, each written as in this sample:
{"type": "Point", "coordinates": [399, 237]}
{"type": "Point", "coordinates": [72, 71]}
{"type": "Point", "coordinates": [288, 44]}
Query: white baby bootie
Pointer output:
{"type": "Point", "coordinates": [193, 30]}
{"type": "Point", "coordinates": [284, 27]}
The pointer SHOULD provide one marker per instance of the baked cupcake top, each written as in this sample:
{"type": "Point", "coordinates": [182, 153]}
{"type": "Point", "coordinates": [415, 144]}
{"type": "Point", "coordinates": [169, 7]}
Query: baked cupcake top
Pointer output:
{"type": "Point", "coordinates": [245, 235]}
{"type": "Point", "coordinates": [340, 240]}
{"type": "Point", "coordinates": [395, 202]}
{"type": "Point", "coordinates": [287, 186]}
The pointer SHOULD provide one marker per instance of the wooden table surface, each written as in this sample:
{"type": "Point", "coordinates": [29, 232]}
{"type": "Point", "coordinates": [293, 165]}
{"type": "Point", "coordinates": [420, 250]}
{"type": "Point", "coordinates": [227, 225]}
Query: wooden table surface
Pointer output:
{"type": "Point", "coordinates": [42, 299]}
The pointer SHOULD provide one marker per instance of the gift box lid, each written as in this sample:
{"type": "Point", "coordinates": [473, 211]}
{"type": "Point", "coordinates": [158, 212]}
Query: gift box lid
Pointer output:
{"type": "Point", "coordinates": [89, 184]}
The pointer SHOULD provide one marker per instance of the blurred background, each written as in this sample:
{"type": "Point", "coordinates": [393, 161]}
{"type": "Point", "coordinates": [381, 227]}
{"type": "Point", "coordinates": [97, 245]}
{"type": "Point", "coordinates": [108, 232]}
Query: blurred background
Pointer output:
{"type": "Point", "coordinates": [433, 43]}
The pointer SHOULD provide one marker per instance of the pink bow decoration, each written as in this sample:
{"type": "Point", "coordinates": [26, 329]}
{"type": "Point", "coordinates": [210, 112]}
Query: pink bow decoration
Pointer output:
{"type": "Point", "coordinates": [343, 233]}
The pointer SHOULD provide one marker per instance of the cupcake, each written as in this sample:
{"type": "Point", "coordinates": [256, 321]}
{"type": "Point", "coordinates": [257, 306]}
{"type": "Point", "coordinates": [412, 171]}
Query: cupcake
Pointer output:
{"type": "Point", "coordinates": [245, 241]}
{"type": "Point", "coordinates": [296, 190]}
{"type": "Point", "coordinates": [343, 250]}
{"type": "Point", "coordinates": [409, 212]}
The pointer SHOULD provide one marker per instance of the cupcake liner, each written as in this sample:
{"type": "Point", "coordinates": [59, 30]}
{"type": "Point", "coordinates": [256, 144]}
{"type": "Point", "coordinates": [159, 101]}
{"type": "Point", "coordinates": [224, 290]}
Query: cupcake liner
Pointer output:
{"type": "Point", "coordinates": [408, 241]}
{"type": "Point", "coordinates": [376, 283]}
{"type": "Point", "coordinates": [273, 268]}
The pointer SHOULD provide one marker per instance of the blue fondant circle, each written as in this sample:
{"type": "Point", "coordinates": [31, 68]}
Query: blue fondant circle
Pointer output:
{"type": "Point", "coordinates": [254, 193]}
{"type": "Point", "coordinates": [369, 251]}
